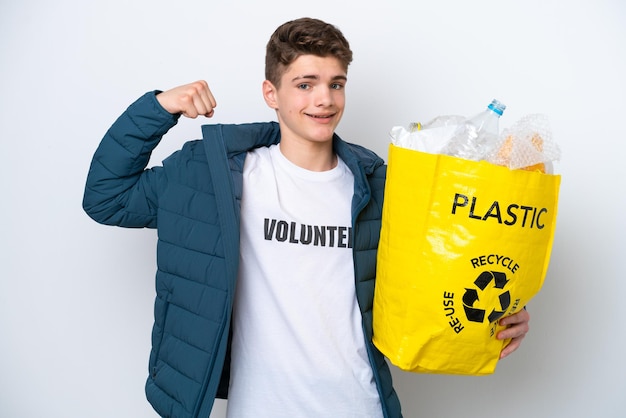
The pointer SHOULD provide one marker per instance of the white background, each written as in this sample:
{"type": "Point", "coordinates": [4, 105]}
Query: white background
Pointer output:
{"type": "Point", "coordinates": [76, 297]}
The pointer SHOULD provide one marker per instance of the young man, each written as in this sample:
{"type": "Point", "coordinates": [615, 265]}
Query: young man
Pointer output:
{"type": "Point", "coordinates": [267, 243]}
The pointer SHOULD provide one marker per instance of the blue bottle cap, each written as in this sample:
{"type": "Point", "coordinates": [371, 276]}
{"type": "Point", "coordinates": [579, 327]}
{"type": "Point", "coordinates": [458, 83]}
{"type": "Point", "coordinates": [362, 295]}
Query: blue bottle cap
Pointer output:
{"type": "Point", "coordinates": [497, 107]}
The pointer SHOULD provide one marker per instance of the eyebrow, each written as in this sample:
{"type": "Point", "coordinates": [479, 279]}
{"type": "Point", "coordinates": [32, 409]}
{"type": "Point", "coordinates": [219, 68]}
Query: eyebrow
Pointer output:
{"type": "Point", "coordinates": [316, 77]}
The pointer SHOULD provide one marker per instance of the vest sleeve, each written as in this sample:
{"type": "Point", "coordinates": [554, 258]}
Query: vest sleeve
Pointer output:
{"type": "Point", "coordinates": [119, 189]}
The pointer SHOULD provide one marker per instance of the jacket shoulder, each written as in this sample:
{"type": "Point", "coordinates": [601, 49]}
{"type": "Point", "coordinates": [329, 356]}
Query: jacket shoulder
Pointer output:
{"type": "Point", "coordinates": [367, 159]}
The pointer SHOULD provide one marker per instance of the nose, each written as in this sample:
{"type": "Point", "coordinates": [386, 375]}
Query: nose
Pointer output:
{"type": "Point", "coordinates": [323, 96]}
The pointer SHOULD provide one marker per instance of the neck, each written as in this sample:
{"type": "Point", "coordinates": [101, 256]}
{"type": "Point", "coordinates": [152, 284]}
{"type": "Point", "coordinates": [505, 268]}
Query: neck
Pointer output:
{"type": "Point", "coordinates": [310, 156]}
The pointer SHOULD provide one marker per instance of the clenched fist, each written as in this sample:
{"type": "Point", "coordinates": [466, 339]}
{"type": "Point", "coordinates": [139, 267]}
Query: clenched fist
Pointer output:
{"type": "Point", "coordinates": [190, 100]}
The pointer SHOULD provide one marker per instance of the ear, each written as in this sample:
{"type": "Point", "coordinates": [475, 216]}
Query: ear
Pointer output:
{"type": "Point", "coordinates": [269, 94]}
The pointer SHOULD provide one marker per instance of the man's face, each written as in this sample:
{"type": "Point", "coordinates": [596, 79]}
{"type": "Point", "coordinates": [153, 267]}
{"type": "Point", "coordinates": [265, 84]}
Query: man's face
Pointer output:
{"type": "Point", "coordinates": [310, 100]}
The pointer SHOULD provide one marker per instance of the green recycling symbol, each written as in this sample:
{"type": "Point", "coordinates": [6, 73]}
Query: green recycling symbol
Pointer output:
{"type": "Point", "coordinates": [471, 296]}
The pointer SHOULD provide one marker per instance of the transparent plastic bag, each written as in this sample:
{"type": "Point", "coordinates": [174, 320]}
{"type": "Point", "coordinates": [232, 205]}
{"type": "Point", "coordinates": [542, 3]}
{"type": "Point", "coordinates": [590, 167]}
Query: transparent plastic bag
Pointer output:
{"type": "Point", "coordinates": [527, 145]}
{"type": "Point", "coordinates": [430, 137]}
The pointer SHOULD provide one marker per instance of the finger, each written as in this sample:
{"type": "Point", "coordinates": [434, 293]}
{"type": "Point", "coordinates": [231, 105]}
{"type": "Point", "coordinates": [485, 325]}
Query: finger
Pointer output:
{"type": "Point", "coordinates": [203, 99]}
{"type": "Point", "coordinates": [511, 347]}
{"type": "Point", "coordinates": [203, 105]}
{"type": "Point", "coordinates": [196, 99]}
{"type": "Point", "coordinates": [187, 101]}
{"type": "Point", "coordinates": [514, 331]}
{"type": "Point", "coordinates": [516, 318]}
{"type": "Point", "coordinates": [517, 328]}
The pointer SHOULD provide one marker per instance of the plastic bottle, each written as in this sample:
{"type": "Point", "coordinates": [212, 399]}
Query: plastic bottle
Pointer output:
{"type": "Point", "coordinates": [475, 138]}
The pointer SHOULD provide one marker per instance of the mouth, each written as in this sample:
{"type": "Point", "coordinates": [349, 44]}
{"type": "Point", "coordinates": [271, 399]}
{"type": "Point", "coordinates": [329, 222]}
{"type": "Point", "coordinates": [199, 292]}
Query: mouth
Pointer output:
{"type": "Point", "coordinates": [321, 117]}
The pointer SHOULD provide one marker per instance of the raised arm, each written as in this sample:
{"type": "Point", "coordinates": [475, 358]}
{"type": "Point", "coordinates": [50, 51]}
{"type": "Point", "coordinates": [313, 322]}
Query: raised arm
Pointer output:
{"type": "Point", "coordinates": [120, 190]}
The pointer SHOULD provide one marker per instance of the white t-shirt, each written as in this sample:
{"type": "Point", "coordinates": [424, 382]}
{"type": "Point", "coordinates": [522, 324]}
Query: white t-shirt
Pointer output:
{"type": "Point", "coordinates": [298, 345]}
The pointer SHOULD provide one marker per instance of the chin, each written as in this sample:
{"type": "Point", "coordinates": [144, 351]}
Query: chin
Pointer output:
{"type": "Point", "coordinates": [326, 137]}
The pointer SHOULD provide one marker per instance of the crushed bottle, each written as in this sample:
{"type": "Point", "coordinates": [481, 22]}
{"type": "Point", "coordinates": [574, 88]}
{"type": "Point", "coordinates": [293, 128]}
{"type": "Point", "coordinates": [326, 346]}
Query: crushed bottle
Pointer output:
{"type": "Point", "coordinates": [477, 136]}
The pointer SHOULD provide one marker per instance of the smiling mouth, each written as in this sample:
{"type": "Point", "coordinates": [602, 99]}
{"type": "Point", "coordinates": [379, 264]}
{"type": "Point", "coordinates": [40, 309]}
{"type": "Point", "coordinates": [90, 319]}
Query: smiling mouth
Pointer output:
{"type": "Point", "coordinates": [320, 116]}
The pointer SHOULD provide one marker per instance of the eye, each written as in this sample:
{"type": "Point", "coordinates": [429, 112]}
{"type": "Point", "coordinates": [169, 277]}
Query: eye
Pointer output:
{"type": "Point", "coordinates": [304, 86]}
{"type": "Point", "coordinates": [336, 86]}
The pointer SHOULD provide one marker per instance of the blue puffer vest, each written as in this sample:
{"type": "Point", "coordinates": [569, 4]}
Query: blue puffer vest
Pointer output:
{"type": "Point", "coordinates": [193, 201]}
